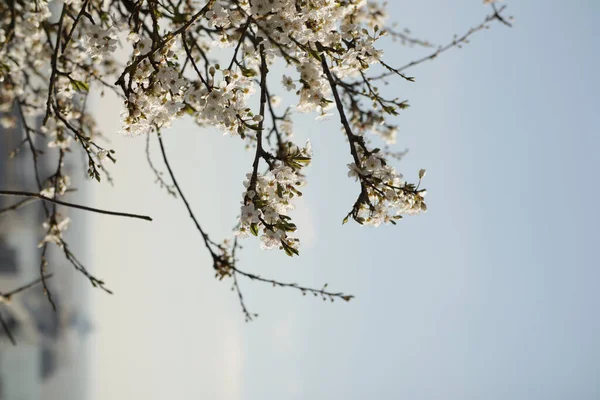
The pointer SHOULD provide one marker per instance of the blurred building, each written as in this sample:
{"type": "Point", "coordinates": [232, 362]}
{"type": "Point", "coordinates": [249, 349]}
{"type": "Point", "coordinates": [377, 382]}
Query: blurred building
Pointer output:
{"type": "Point", "coordinates": [49, 360]}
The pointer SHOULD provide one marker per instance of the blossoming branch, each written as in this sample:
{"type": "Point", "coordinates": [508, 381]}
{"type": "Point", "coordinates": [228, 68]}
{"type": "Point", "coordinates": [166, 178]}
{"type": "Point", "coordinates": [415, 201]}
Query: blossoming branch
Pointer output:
{"type": "Point", "coordinates": [52, 54]}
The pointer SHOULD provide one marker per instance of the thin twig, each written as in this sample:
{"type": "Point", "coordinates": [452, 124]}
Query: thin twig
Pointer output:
{"type": "Point", "coordinates": [17, 205]}
{"type": "Point", "coordinates": [79, 15]}
{"type": "Point", "coordinates": [54, 65]}
{"type": "Point", "coordinates": [187, 205]}
{"type": "Point", "coordinates": [259, 130]}
{"type": "Point", "coordinates": [249, 316]}
{"type": "Point", "coordinates": [63, 203]}
{"type": "Point", "coordinates": [7, 330]}
{"type": "Point", "coordinates": [157, 173]}
{"type": "Point", "coordinates": [24, 287]}
{"type": "Point", "coordinates": [455, 42]}
{"type": "Point", "coordinates": [322, 292]}
{"type": "Point", "coordinates": [43, 265]}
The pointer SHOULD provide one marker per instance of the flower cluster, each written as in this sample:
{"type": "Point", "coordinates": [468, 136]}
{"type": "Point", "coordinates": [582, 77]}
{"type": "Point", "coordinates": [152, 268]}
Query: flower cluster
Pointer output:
{"type": "Point", "coordinates": [156, 90]}
{"type": "Point", "coordinates": [386, 196]}
{"type": "Point", "coordinates": [56, 131]}
{"type": "Point", "coordinates": [269, 198]}
{"type": "Point", "coordinates": [99, 42]}
{"type": "Point", "coordinates": [57, 185]}
{"type": "Point", "coordinates": [224, 103]}
{"type": "Point", "coordinates": [55, 227]}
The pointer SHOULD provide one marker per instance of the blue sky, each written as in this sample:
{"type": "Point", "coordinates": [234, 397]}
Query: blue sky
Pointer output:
{"type": "Point", "coordinates": [491, 294]}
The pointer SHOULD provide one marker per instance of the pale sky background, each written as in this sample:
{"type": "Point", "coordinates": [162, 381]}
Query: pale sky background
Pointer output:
{"type": "Point", "coordinates": [493, 294]}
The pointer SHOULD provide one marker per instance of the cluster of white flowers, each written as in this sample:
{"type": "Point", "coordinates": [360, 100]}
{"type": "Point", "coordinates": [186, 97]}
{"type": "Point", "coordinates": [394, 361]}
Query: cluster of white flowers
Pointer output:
{"type": "Point", "coordinates": [365, 123]}
{"type": "Point", "coordinates": [292, 21]}
{"type": "Point", "coordinates": [388, 195]}
{"type": "Point", "coordinates": [100, 42]}
{"type": "Point", "coordinates": [146, 113]}
{"type": "Point", "coordinates": [225, 104]}
{"type": "Point", "coordinates": [289, 29]}
{"type": "Point", "coordinates": [315, 88]}
{"type": "Point", "coordinates": [157, 89]}
{"type": "Point", "coordinates": [27, 31]}
{"type": "Point", "coordinates": [56, 186]}
{"type": "Point", "coordinates": [268, 200]}
{"type": "Point", "coordinates": [159, 92]}
{"type": "Point", "coordinates": [56, 131]}
{"type": "Point", "coordinates": [55, 227]}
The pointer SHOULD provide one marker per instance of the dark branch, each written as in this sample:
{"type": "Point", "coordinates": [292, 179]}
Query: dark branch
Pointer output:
{"type": "Point", "coordinates": [63, 203]}
{"type": "Point", "coordinates": [7, 330]}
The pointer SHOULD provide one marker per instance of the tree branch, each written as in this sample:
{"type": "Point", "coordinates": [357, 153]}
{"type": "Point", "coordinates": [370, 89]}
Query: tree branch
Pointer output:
{"type": "Point", "coordinates": [187, 205]}
{"type": "Point", "coordinates": [63, 203]}
{"type": "Point", "coordinates": [7, 330]}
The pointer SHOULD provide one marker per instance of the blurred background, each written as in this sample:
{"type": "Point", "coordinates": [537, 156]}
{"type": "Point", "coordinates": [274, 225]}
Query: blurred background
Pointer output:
{"type": "Point", "coordinates": [491, 294]}
{"type": "Point", "coordinates": [50, 357]}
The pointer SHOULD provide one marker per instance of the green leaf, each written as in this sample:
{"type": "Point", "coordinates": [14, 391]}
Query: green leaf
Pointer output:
{"type": "Point", "coordinates": [247, 72]}
{"type": "Point", "coordinates": [80, 86]}
{"type": "Point", "coordinates": [390, 110]}
{"type": "Point", "coordinates": [181, 17]}
{"type": "Point", "coordinates": [189, 109]}
{"type": "Point", "coordinates": [254, 229]}
{"type": "Point", "coordinates": [253, 127]}
{"type": "Point", "coordinates": [289, 250]}
{"type": "Point", "coordinates": [302, 159]}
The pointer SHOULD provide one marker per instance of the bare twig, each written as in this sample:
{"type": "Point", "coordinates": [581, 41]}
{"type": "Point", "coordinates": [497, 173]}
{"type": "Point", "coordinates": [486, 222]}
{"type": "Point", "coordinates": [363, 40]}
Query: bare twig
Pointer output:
{"type": "Point", "coordinates": [54, 65]}
{"type": "Point", "coordinates": [18, 205]}
{"type": "Point", "coordinates": [158, 173]}
{"type": "Point", "coordinates": [260, 152]}
{"type": "Point", "coordinates": [456, 42]}
{"type": "Point", "coordinates": [317, 292]}
{"type": "Point", "coordinates": [7, 330]}
{"type": "Point", "coordinates": [63, 203]}
{"type": "Point", "coordinates": [187, 205]}
{"type": "Point", "coordinates": [43, 265]}
{"type": "Point", "coordinates": [8, 295]}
